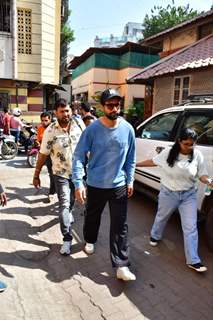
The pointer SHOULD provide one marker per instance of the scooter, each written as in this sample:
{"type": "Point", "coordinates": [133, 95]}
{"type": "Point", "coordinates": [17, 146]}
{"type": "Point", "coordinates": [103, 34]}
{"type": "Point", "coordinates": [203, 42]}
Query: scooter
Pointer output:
{"type": "Point", "coordinates": [32, 154]}
{"type": "Point", "coordinates": [8, 147]}
{"type": "Point", "coordinates": [26, 139]}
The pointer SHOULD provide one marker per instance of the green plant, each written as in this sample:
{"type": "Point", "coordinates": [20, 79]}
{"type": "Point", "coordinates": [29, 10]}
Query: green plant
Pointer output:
{"type": "Point", "coordinates": [67, 36]}
{"type": "Point", "coordinates": [135, 111]}
{"type": "Point", "coordinates": [99, 113]}
{"type": "Point", "coordinates": [97, 96]}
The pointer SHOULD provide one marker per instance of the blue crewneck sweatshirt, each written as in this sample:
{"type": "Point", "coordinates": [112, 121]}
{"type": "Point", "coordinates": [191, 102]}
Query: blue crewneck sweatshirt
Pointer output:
{"type": "Point", "coordinates": [111, 156]}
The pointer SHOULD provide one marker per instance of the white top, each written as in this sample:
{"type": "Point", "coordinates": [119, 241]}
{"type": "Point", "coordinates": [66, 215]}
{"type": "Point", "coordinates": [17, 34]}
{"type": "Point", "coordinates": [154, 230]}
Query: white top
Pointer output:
{"type": "Point", "coordinates": [184, 174]}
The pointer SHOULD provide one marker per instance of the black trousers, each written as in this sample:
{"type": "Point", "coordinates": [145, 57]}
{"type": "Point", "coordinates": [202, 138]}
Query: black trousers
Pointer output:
{"type": "Point", "coordinates": [50, 171]}
{"type": "Point", "coordinates": [117, 199]}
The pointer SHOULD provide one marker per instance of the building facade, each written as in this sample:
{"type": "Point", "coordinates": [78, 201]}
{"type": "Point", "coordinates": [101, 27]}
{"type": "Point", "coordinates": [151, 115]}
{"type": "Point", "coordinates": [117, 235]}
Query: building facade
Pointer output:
{"type": "Point", "coordinates": [181, 35]}
{"type": "Point", "coordinates": [29, 53]}
{"type": "Point", "coordinates": [132, 33]}
{"type": "Point", "coordinates": [185, 67]}
{"type": "Point", "coordinates": [186, 72]}
{"type": "Point", "coordinates": [101, 68]}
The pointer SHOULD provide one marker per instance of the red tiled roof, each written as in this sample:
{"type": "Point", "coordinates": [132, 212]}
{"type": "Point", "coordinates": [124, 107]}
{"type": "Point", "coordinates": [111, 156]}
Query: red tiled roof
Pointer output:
{"type": "Point", "coordinates": [196, 55]}
{"type": "Point", "coordinates": [178, 26]}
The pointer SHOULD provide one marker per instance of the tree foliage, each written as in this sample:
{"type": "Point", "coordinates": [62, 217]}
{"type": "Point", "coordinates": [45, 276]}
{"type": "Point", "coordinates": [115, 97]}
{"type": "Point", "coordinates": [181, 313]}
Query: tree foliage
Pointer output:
{"type": "Point", "coordinates": [164, 18]}
{"type": "Point", "coordinates": [67, 36]}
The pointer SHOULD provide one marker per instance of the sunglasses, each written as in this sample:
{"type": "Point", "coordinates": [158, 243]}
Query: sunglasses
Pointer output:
{"type": "Point", "coordinates": [111, 106]}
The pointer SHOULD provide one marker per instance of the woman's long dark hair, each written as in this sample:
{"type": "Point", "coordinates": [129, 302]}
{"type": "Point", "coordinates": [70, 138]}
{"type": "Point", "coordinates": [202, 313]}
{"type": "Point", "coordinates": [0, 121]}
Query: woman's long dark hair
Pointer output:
{"type": "Point", "coordinates": [185, 134]}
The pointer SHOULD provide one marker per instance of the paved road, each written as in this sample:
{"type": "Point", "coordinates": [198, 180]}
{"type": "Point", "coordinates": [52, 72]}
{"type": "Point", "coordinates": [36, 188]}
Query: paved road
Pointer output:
{"type": "Point", "coordinates": [43, 285]}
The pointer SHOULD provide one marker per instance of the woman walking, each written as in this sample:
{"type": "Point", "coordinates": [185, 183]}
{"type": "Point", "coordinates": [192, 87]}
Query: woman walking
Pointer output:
{"type": "Point", "coordinates": [182, 166]}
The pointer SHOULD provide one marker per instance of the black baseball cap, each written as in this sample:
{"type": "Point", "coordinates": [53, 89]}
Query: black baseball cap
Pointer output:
{"type": "Point", "coordinates": [109, 94]}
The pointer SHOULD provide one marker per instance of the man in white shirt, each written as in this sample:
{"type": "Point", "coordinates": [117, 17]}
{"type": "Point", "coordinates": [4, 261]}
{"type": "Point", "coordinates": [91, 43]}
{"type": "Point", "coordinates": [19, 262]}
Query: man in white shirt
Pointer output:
{"type": "Point", "coordinates": [59, 141]}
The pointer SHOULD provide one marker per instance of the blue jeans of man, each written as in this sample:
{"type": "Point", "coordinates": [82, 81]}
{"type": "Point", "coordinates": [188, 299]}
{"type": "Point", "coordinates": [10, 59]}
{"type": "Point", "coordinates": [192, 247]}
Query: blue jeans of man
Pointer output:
{"type": "Point", "coordinates": [186, 203]}
{"type": "Point", "coordinates": [66, 196]}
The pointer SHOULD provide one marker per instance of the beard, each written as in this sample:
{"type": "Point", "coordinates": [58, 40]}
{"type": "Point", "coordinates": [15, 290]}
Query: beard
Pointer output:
{"type": "Point", "coordinates": [64, 121]}
{"type": "Point", "coordinates": [112, 116]}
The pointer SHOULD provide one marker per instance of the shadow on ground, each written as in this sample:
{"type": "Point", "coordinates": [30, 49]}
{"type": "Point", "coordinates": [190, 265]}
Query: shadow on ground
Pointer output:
{"type": "Point", "coordinates": [162, 277]}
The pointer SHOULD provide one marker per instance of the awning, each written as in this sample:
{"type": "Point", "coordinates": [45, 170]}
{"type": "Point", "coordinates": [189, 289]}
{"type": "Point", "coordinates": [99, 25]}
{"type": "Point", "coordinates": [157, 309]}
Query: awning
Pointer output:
{"type": "Point", "coordinates": [54, 86]}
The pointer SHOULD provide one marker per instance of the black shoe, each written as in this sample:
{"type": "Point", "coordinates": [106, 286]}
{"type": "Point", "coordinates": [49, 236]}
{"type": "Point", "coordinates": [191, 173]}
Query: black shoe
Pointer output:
{"type": "Point", "coordinates": [199, 267]}
{"type": "Point", "coordinates": [153, 242]}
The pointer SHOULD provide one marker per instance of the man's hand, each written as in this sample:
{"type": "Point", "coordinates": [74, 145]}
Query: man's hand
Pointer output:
{"type": "Point", "coordinates": [130, 191]}
{"type": "Point", "coordinates": [3, 199]}
{"type": "Point", "coordinates": [39, 164]}
{"type": "Point", "coordinates": [36, 182]}
{"type": "Point", "coordinates": [80, 195]}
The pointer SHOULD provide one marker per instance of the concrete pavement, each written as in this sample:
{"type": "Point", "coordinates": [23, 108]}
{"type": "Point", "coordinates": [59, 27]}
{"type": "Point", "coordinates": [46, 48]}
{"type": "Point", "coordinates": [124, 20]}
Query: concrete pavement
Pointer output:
{"type": "Point", "coordinates": [44, 285]}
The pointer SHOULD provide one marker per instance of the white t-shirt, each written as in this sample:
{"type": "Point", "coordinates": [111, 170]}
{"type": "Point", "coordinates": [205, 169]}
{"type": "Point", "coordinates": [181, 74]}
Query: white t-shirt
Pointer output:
{"type": "Point", "coordinates": [184, 174]}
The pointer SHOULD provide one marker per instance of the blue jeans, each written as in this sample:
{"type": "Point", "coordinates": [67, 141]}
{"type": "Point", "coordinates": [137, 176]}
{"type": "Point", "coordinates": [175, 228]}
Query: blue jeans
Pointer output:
{"type": "Point", "coordinates": [15, 133]}
{"type": "Point", "coordinates": [66, 196]}
{"type": "Point", "coordinates": [186, 203]}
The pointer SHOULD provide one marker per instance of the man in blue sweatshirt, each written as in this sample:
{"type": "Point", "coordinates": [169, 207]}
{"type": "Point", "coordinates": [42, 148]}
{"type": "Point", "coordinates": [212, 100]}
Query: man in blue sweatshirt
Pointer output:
{"type": "Point", "coordinates": [110, 144]}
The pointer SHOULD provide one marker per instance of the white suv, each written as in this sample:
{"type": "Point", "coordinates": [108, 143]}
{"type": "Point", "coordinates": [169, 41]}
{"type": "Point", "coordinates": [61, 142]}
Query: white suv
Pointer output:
{"type": "Point", "coordinates": [160, 131]}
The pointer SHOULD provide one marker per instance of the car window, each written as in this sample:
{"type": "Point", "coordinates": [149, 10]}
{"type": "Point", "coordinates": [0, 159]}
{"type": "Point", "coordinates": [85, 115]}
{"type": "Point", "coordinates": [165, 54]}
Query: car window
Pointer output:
{"type": "Point", "coordinates": [158, 128]}
{"type": "Point", "coordinates": [203, 125]}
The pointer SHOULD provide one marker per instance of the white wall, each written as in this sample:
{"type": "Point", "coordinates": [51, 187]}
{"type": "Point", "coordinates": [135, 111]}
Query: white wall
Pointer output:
{"type": "Point", "coordinates": [51, 26]}
{"type": "Point", "coordinates": [6, 66]}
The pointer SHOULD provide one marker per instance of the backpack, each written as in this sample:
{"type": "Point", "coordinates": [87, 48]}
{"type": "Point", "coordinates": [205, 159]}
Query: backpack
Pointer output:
{"type": "Point", "coordinates": [78, 123]}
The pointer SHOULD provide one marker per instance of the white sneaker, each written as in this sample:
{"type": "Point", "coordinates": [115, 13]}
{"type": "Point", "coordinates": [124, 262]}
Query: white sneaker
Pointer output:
{"type": "Point", "coordinates": [153, 242]}
{"type": "Point", "coordinates": [51, 198]}
{"type": "Point", "coordinates": [66, 248]}
{"type": "Point", "coordinates": [89, 248]}
{"type": "Point", "coordinates": [125, 274]}
{"type": "Point", "coordinates": [72, 220]}
{"type": "Point", "coordinates": [199, 267]}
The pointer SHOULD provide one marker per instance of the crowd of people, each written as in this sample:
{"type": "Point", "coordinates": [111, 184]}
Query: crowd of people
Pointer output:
{"type": "Point", "coordinates": [79, 145]}
{"type": "Point", "coordinates": [10, 123]}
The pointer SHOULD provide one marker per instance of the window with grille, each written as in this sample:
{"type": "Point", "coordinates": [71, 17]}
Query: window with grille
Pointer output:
{"type": "Point", "coordinates": [5, 15]}
{"type": "Point", "coordinates": [181, 89]}
{"type": "Point", "coordinates": [24, 31]}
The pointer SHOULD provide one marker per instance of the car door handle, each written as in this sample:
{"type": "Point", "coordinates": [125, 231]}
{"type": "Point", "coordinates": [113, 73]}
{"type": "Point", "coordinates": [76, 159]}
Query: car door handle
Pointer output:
{"type": "Point", "coordinates": [159, 149]}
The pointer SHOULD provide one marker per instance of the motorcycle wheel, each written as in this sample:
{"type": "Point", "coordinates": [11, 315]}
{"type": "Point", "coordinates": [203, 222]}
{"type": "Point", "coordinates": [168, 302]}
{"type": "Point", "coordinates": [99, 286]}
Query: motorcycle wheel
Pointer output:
{"type": "Point", "coordinates": [9, 150]}
{"type": "Point", "coordinates": [31, 160]}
